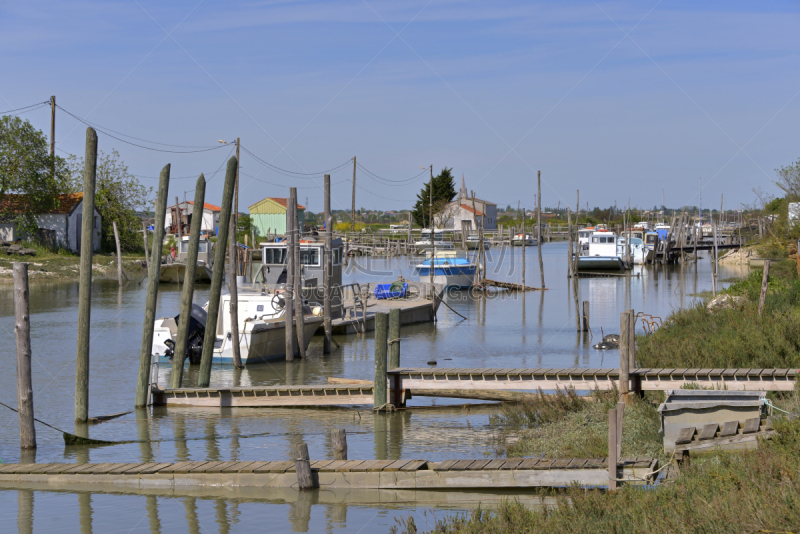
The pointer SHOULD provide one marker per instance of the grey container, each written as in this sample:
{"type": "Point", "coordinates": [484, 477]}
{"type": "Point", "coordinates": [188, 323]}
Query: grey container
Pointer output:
{"type": "Point", "coordinates": [691, 407]}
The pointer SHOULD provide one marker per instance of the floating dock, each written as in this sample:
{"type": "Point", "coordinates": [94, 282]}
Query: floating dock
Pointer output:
{"type": "Point", "coordinates": [449, 475]}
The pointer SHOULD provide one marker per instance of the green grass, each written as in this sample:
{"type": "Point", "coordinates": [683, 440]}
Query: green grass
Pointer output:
{"type": "Point", "coordinates": [566, 426]}
{"type": "Point", "coordinates": [721, 493]}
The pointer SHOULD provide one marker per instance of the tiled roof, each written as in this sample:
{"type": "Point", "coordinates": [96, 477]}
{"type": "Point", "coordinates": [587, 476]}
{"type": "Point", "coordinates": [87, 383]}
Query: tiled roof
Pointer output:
{"type": "Point", "coordinates": [207, 206]}
{"type": "Point", "coordinates": [17, 203]}
{"type": "Point", "coordinates": [469, 209]}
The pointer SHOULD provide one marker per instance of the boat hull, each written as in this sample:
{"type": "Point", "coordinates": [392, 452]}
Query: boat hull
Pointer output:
{"type": "Point", "coordinates": [600, 263]}
{"type": "Point", "coordinates": [475, 245]}
{"type": "Point", "coordinates": [175, 273]}
{"type": "Point", "coordinates": [449, 276]}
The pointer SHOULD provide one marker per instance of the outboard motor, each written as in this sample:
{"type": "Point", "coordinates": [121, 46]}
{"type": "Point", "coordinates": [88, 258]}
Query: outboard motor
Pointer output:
{"type": "Point", "coordinates": [197, 329]}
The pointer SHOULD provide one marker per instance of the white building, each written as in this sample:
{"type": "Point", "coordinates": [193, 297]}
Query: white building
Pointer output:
{"type": "Point", "coordinates": [461, 209]}
{"type": "Point", "coordinates": [210, 224]}
{"type": "Point", "coordinates": [62, 225]}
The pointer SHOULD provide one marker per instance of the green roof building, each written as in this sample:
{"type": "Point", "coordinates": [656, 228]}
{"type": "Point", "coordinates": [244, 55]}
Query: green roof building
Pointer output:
{"type": "Point", "coordinates": [269, 215]}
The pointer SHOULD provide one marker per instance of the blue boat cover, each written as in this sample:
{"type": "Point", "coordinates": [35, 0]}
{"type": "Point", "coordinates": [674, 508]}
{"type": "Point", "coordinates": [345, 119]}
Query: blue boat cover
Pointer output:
{"type": "Point", "coordinates": [385, 291]}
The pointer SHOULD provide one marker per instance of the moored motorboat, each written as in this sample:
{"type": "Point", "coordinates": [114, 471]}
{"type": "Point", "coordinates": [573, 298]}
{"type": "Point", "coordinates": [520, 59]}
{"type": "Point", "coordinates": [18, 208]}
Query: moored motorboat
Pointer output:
{"type": "Point", "coordinates": [530, 241]}
{"type": "Point", "coordinates": [449, 270]}
{"type": "Point", "coordinates": [474, 242]}
{"type": "Point", "coordinates": [174, 271]}
{"type": "Point", "coordinates": [424, 243]}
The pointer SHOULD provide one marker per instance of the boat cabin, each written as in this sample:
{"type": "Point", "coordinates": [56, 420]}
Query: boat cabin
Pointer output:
{"type": "Point", "coordinates": [425, 235]}
{"type": "Point", "coordinates": [203, 250]}
{"type": "Point", "coordinates": [272, 272]}
{"type": "Point", "coordinates": [603, 244]}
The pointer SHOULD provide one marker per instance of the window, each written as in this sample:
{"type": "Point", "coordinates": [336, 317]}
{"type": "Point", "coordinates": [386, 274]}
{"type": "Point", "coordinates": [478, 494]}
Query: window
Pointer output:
{"type": "Point", "coordinates": [184, 246]}
{"type": "Point", "coordinates": [337, 256]}
{"type": "Point", "coordinates": [274, 255]}
{"type": "Point", "coordinates": [203, 246]}
{"type": "Point", "coordinates": [595, 240]}
{"type": "Point", "coordinates": [309, 256]}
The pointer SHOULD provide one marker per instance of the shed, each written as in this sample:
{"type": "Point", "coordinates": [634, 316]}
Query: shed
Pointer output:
{"type": "Point", "coordinates": [696, 408]}
{"type": "Point", "coordinates": [270, 215]}
{"type": "Point", "coordinates": [62, 224]}
{"type": "Point", "coordinates": [210, 224]}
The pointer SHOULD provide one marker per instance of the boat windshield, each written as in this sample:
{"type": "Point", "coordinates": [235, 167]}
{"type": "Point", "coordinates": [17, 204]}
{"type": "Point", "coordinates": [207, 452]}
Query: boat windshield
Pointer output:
{"type": "Point", "coordinates": [274, 256]}
{"type": "Point", "coordinates": [309, 256]}
{"type": "Point", "coordinates": [203, 246]}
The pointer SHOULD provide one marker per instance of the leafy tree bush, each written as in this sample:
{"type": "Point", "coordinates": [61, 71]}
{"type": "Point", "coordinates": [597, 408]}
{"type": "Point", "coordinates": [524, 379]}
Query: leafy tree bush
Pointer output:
{"type": "Point", "coordinates": [444, 191]}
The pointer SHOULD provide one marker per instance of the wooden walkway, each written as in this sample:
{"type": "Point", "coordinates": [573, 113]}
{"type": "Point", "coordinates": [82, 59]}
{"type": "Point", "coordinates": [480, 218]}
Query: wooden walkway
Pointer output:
{"type": "Point", "coordinates": [591, 379]}
{"type": "Point", "coordinates": [419, 380]}
{"type": "Point", "coordinates": [356, 474]}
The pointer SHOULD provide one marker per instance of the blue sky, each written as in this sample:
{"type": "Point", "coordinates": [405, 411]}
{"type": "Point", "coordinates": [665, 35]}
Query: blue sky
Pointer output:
{"type": "Point", "coordinates": [617, 99]}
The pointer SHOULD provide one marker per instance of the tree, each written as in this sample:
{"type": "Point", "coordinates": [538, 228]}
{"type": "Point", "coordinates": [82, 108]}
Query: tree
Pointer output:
{"type": "Point", "coordinates": [789, 180]}
{"type": "Point", "coordinates": [27, 168]}
{"type": "Point", "coordinates": [118, 196]}
{"type": "Point", "coordinates": [444, 191]}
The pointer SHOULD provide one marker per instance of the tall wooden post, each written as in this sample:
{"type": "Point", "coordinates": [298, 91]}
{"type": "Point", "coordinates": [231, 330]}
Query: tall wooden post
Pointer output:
{"type": "Point", "coordinates": [236, 197]}
{"type": "Point", "coordinates": [210, 336]}
{"type": "Point", "coordinates": [187, 295]}
{"type": "Point", "coordinates": [288, 295]}
{"type": "Point", "coordinates": [538, 244]}
{"type": "Point", "coordinates": [381, 337]}
{"type": "Point", "coordinates": [85, 291]}
{"type": "Point", "coordinates": [394, 338]}
{"type": "Point", "coordinates": [624, 361]}
{"type": "Point", "coordinates": [53, 126]}
{"type": "Point", "coordinates": [302, 467]}
{"type": "Point", "coordinates": [328, 271]}
{"type": "Point", "coordinates": [178, 221]}
{"type": "Point", "coordinates": [585, 316]}
{"type": "Point", "coordinates": [146, 249]}
{"type": "Point", "coordinates": [22, 333]}
{"type": "Point", "coordinates": [234, 295]}
{"type": "Point", "coordinates": [353, 207]}
{"type": "Point", "coordinates": [151, 299]}
{"type": "Point", "coordinates": [764, 285]}
{"type": "Point", "coordinates": [299, 317]}
{"type": "Point", "coordinates": [620, 419]}
{"type": "Point", "coordinates": [119, 254]}
{"type": "Point", "coordinates": [539, 223]}
{"type": "Point", "coordinates": [409, 242]}
{"type": "Point", "coordinates": [569, 246]}
{"type": "Point", "coordinates": [433, 247]}
{"type": "Point", "coordinates": [612, 449]}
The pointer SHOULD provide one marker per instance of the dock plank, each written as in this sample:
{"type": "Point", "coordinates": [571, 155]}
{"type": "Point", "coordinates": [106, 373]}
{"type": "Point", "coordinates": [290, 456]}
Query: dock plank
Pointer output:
{"type": "Point", "coordinates": [561, 463]}
{"type": "Point", "coordinates": [729, 428]}
{"type": "Point", "coordinates": [708, 431]}
{"type": "Point", "coordinates": [363, 466]}
{"type": "Point", "coordinates": [415, 465]}
{"type": "Point", "coordinates": [397, 465]}
{"type": "Point", "coordinates": [381, 465]}
{"type": "Point", "coordinates": [334, 465]}
{"type": "Point", "coordinates": [751, 425]}
{"type": "Point", "coordinates": [685, 435]}
{"type": "Point", "coordinates": [446, 465]}
{"type": "Point", "coordinates": [461, 465]}
{"type": "Point", "coordinates": [205, 467]}
{"type": "Point", "coordinates": [122, 468]}
{"type": "Point", "coordinates": [319, 464]}
{"type": "Point", "coordinates": [350, 465]}
{"type": "Point", "coordinates": [511, 464]}
{"type": "Point", "coordinates": [221, 468]}
{"type": "Point", "coordinates": [494, 464]}
{"type": "Point", "coordinates": [249, 467]}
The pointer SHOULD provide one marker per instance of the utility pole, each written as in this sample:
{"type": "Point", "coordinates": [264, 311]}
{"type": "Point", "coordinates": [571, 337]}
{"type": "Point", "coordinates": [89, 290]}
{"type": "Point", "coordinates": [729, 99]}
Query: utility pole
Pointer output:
{"type": "Point", "coordinates": [353, 207]}
{"type": "Point", "coordinates": [235, 202]}
{"type": "Point", "coordinates": [53, 125]}
{"type": "Point", "coordinates": [433, 245]}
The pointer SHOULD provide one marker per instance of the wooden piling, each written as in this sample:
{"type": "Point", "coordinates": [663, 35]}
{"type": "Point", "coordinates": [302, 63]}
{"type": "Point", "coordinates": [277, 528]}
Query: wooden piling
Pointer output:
{"type": "Point", "coordinates": [585, 316]}
{"type": "Point", "coordinates": [187, 295]}
{"type": "Point", "coordinates": [379, 398]}
{"type": "Point", "coordinates": [538, 244]}
{"type": "Point", "coordinates": [178, 221]}
{"type": "Point", "coordinates": [302, 466]}
{"type": "Point", "coordinates": [569, 245]}
{"type": "Point", "coordinates": [146, 249]}
{"type": "Point", "coordinates": [624, 362]}
{"type": "Point", "coordinates": [153, 273]}
{"type": "Point", "coordinates": [394, 338]}
{"type": "Point", "coordinates": [328, 269]}
{"type": "Point", "coordinates": [539, 225]}
{"type": "Point", "coordinates": [716, 253]}
{"type": "Point", "coordinates": [764, 285]}
{"type": "Point", "coordinates": [612, 449]}
{"type": "Point", "coordinates": [120, 272]}
{"type": "Point", "coordinates": [85, 288]}
{"type": "Point", "coordinates": [299, 316]}
{"type": "Point", "coordinates": [233, 253]}
{"type": "Point", "coordinates": [204, 377]}
{"type": "Point", "coordinates": [22, 333]}
{"type": "Point", "coordinates": [620, 416]}
{"type": "Point", "coordinates": [339, 441]}
{"type": "Point", "coordinates": [288, 295]}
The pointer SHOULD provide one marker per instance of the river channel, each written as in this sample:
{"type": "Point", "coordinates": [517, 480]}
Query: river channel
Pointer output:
{"type": "Point", "coordinates": [500, 330]}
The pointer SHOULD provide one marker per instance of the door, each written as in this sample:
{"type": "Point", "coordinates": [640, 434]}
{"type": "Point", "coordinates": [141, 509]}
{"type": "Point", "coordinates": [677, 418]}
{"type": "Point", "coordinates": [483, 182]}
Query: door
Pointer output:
{"type": "Point", "coordinates": [78, 232]}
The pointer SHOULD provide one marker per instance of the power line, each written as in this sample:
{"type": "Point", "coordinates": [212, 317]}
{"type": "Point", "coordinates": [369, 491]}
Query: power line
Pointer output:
{"type": "Point", "coordinates": [294, 174]}
{"type": "Point", "coordinates": [26, 107]}
{"type": "Point", "coordinates": [387, 181]}
{"type": "Point", "coordinates": [284, 185]}
{"type": "Point", "coordinates": [386, 198]}
{"type": "Point", "coordinates": [106, 131]}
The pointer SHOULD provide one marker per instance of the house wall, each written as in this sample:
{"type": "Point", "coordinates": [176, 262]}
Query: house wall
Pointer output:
{"type": "Point", "coordinates": [8, 231]}
{"type": "Point", "coordinates": [57, 222]}
{"type": "Point", "coordinates": [72, 228]}
{"type": "Point", "coordinates": [274, 222]}
{"type": "Point", "coordinates": [210, 218]}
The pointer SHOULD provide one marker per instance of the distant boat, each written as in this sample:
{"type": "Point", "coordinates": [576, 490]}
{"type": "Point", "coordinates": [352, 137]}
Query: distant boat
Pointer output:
{"type": "Point", "coordinates": [448, 270]}
{"type": "Point", "coordinates": [424, 244]}
{"type": "Point", "coordinates": [474, 242]}
{"type": "Point", "coordinates": [174, 272]}
{"type": "Point", "coordinates": [530, 241]}
{"type": "Point", "coordinates": [602, 254]}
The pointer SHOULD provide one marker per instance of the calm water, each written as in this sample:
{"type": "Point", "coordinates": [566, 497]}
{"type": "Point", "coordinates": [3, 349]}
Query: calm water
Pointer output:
{"type": "Point", "coordinates": [501, 330]}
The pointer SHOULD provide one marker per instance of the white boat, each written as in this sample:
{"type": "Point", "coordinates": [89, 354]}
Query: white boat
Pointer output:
{"type": "Point", "coordinates": [261, 309]}
{"type": "Point", "coordinates": [424, 244]}
{"type": "Point", "coordinates": [174, 272]}
{"type": "Point", "coordinates": [449, 270]}
{"type": "Point", "coordinates": [639, 252]}
{"type": "Point", "coordinates": [602, 254]}
{"type": "Point", "coordinates": [530, 241]}
{"type": "Point", "coordinates": [474, 242]}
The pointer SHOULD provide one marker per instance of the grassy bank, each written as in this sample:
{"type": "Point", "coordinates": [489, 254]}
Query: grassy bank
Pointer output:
{"type": "Point", "coordinates": [699, 338]}
{"type": "Point", "coordinates": [727, 493]}
{"type": "Point", "coordinates": [721, 492]}
{"type": "Point", "coordinates": [65, 265]}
